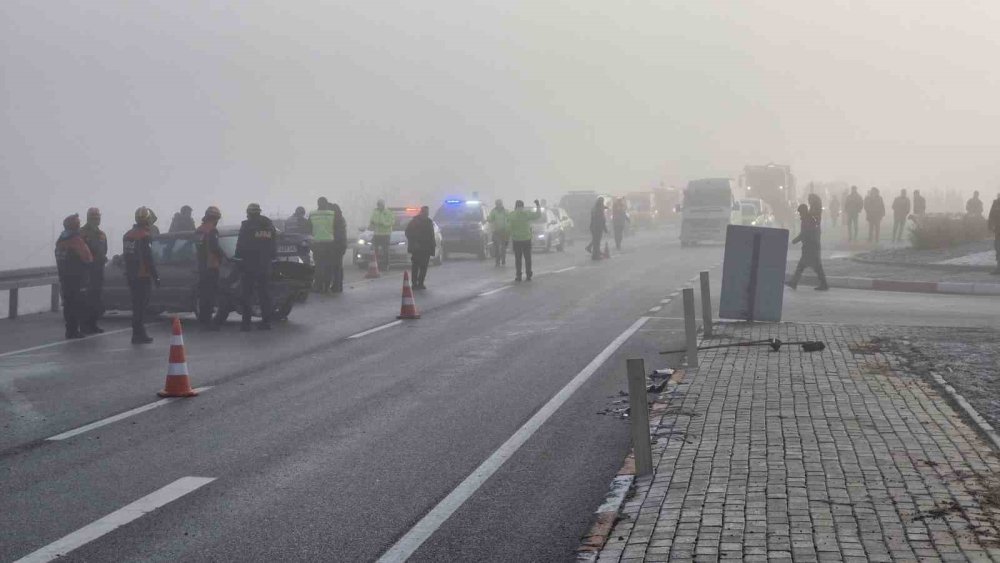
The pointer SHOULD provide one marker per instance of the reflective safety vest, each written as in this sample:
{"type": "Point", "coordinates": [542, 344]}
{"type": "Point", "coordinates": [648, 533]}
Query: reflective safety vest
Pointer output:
{"type": "Point", "coordinates": [383, 220]}
{"type": "Point", "coordinates": [322, 224]}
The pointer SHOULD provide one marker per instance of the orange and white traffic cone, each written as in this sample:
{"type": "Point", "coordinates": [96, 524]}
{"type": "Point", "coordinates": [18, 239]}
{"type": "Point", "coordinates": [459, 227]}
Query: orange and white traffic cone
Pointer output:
{"type": "Point", "coordinates": [408, 310]}
{"type": "Point", "coordinates": [373, 267]}
{"type": "Point", "coordinates": [178, 384]}
{"type": "Point", "coordinates": [607, 251]}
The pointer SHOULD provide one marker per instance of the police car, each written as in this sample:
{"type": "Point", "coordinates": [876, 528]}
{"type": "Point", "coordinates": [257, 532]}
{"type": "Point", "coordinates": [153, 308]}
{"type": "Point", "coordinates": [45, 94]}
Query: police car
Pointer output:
{"type": "Point", "coordinates": [398, 254]}
{"type": "Point", "coordinates": [464, 227]}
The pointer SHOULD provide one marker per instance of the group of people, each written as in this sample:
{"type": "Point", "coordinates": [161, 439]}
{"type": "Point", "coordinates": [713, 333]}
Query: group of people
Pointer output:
{"type": "Point", "coordinates": [599, 225]}
{"type": "Point", "coordinates": [874, 209]}
{"type": "Point", "coordinates": [513, 227]}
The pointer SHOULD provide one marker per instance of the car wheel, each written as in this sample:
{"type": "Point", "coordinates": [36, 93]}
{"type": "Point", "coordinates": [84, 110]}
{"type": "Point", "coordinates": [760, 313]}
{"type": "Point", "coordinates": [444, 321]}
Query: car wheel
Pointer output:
{"type": "Point", "coordinates": [282, 311]}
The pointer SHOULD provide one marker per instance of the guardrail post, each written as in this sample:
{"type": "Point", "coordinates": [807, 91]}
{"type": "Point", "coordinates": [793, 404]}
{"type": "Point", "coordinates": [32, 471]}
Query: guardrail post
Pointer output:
{"type": "Point", "coordinates": [690, 328]}
{"type": "Point", "coordinates": [639, 409]}
{"type": "Point", "coordinates": [54, 298]}
{"type": "Point", "coordinates": [706, 305]}
{"type": "Point", "coordinates": [12, 309]}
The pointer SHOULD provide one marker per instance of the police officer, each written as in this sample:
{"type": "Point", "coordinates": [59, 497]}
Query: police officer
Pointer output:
{"type": "Point", "coordinates": [73, 260]}
{"type": "Point", "coordinates": [97, 243]}
{"type": "Point", "coordinates": [501, 232]}
{"type": "Point", "coordinates": [381, 223]}
{"type": "Point", "coordinates": [210, 257]}
{"type": "Point", "coordinates": [298, 224]}
{"type": "Point", "coordinates": [140, 270]}
{"type": "Point", "coordinates": [321, 221]}
{"type": "Point", "coordinates": [421, 245]}
{"type": "Point", "coordinates": [619, 219]}
{"type": "Point", "coordinates": [256, 247]}
{"type": "Point", "coordinates": [519, 221]}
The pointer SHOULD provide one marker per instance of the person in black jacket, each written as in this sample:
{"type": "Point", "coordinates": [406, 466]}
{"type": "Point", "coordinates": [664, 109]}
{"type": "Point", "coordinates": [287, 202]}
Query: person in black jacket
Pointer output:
{"type": "Point", "coordinates": [809, 236]}
{"type": "Point", "coordinates": [598, 228]}
{"type": "Point", "coordinates": [421, 245]}
{"type": "Point", "coordinates": [993, 222]}
{"type": "Point", "coordinates": [256, 248]}
{"type": "Point", "coordinates": [140, 270]}
{"type": "Point", "coordinates": [97, 242]}
{"type": "Point", "coordinates": [339, 248]}
{"type": "Point", "coordinates": [182, 222]}
{"type": "Point", "coordinates": [73, 260]}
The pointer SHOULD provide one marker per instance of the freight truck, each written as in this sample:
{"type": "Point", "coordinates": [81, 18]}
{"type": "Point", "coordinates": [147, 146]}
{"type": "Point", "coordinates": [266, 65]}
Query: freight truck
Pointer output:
{"type": "Point", "coordinates": [775, 184]}
{"type": "Point", "coordinates": [707, 210]}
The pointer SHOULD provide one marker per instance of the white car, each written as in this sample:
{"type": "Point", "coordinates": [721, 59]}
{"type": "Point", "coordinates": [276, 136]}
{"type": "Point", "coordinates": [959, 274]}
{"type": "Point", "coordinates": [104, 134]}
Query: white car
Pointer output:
{"type": "Point", "coordinates": [398, 254]}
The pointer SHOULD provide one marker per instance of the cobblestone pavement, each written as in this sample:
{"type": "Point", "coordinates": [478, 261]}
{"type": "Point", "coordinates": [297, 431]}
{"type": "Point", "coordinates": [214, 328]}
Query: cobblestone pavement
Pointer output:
{"type": "Point", "coordinates": [823, 456]}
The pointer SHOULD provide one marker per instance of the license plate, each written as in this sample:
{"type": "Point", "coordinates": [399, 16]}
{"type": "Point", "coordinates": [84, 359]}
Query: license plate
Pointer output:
{"type": "Point", "coordinates": [287, 249]}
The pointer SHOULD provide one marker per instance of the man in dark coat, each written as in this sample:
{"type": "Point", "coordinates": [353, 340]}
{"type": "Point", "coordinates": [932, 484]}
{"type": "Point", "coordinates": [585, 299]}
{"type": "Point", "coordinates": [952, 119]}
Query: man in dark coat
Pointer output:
{"type": "Point", "coordinates": [339, 249]}
{"type": "Point", "coordinates": [256, 248]}
{"type": "Point", "coordinates": [809, 236]}
{"type": "Point", "coordinates": [900, 211]}
{"type": "Point", "coordinates": [182, 222]}
{"type": "Point", "coordinates": [97, 242]}
{"type": "Point", "coordinates": [994, 223]}
{"type": "Point", "coordinates": [919, 203]}
{"type": "Point", "coordinates": [598, 228]}
{"type": "Point", "coordinates": [140, 270]}
{"type": "Point", "coordinates": [874, 212]}
{"type": "Point", "coordinates": [421, 245]}
{"type": "Point", "coordinates": [73, 260]}
{"type": "Point", "coordinates": [853, 205]}
{"type": "Point", "coordinates": [619, 220]}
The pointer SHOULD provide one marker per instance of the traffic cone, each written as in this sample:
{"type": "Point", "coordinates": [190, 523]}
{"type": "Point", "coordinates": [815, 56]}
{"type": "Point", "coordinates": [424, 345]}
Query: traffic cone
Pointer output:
{"type": "Point", "coordinates": [408, 310]}
{"type": "Point", "coordinates": [373, 267]}
{"type": "Point", "coordinates": [607, 251]}
{"type": "Point", "coordinates": [178, 384]}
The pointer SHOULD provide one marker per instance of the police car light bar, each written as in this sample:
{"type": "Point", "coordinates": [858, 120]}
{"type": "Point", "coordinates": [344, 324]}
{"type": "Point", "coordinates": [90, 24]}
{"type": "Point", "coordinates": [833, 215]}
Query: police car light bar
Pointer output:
{"type": "Point", "coordinates": [453, 201]}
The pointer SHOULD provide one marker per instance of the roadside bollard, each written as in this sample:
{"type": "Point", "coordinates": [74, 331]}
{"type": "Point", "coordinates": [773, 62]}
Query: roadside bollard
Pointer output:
{"type": "Point", "coordinates": [690, 328]}
{"type": "Point", "coordinates": [639, 409]}
{"type": "Point", "coordinates": [706, 305]}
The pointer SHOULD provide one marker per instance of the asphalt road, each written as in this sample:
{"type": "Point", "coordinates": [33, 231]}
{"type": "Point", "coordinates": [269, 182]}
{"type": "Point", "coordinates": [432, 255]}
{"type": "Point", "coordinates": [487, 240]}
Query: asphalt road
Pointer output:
{"type": "Point", "coordinates": [326, 447]}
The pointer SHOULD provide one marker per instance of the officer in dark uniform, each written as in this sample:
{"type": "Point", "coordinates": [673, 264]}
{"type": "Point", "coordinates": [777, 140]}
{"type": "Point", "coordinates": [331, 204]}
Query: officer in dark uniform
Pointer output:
{"type": "Point", "coordinates": [140, 270]}
{"type": "Point", "coordinates": [210, 257]}
{"type": "Point", "coordinates": [73, 259]}
{"type": "Point", "coordinates": [256, 248]}
{"type": "Point", "coordinates": [97, 242]}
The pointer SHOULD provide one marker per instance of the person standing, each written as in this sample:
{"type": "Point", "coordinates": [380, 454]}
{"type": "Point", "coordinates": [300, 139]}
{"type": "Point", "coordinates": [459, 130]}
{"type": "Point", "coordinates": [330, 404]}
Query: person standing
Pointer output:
{"type": "Point", "coordinates": [809, 236]}
{"type": "Point", "coordinates": [421, 245]}
{"type": "Point", "coordinates": [994, 224]}
{"type": "Point", "coordinates": [900, 211]}
{"type": "Point", "coordinates": [598, 228]}
{"type": "Point", "coordinates": [974, 207]}
{"type": "Point", "coordinates": [500, 231]}
{"type": "Point", "coordinates": [321, 220]}
{"type": "Point", "coordinates": [519, 221]}
{"type": "Point", "coordinates": [619, 220]}
{"type": "Point", "coordinates": [919, 204]}
{"type": "Point", "coordinates": [140, 270]}
{"type": "Point", "coordinates": [73, 260]}
{"type": "Point", "coordinates": [97, 243]}
{"type": "Point", "coordinates": [853, 205]}
{"type": "Point", "coordinates": [339, 248]}
{"type": "Point", "coordinates": [182, 222]}
{"type": "Point", "coordinates": [298, 224]}
{"type": "Point", "coordinates": [381, 223]}
{"type": "Point", "coordinates": [256, 248]}
{"type": "Point", "coordinates": [874, 212]}
{"type": "Point", "coordinates": [834, 210]}
{"type": "Point", "coordinates": [210, 257]}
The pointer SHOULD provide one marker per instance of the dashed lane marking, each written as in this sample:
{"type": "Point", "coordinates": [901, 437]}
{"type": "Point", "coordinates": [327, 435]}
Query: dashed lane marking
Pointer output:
{"type": "Point", "coordinates": [61, 342]}
{"type": "Point", "coordinates": [374, 330]}
{"type": "Point", "coordinates": [665, 301]}
{"type": "Point", "coordinates": [564, 270]}
{"type": "Point", "coordinates": [117, 417]}
{"type": "Point", "coordinates": [116, 519]}
{"type": "Point", "coordinates": [433, 520]}
{"type": "Point", "coordinates": [497, 290]}
{"type": "Point", "coordinates": [655, 309]}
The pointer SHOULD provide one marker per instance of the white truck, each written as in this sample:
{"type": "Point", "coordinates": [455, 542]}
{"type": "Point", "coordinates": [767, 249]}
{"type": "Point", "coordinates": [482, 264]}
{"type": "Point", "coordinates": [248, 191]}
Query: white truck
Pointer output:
{"type": "Point", "coordinates": [708, 208]}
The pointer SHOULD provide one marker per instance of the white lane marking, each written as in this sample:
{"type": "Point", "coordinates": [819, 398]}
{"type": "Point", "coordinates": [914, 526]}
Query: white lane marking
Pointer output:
{"type": "Point", "coordinates": [655, 309]}
{"type": "Point", "coordinates": [61, 342]}
{"type": "Point", "coordinates": [427, 525]}
{"type": "Point", "coordinates": [117, 417]}
{"type": "Point", "coordinates": [664, 301]}
{"type": "Point", "coordinates": [116, 519]}
{"type": "Point", "coordinates": [497, 290]}
{"type": "Point", "coordinates": [374, 330]}
{"type": "Point", "coordinates": [564, 270]}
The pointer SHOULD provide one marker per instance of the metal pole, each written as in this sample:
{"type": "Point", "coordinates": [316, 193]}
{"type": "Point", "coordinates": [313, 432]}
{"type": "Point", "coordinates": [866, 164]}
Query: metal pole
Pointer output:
{"type": "Point", "coordinates": [54, 298]}
{"type": "Point", "coordinates": [706, 305]}
{"type": "Point", "coordinates": [12, 309]}
{"type": "Point", "coordinates": [639, 409]}
{"type": "Point", "coordinates": [690, 327]}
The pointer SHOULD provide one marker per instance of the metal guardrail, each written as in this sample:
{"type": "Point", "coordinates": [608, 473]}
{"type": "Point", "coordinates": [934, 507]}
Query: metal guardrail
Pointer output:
{"type": "Point", "coordinates": [14, 280]}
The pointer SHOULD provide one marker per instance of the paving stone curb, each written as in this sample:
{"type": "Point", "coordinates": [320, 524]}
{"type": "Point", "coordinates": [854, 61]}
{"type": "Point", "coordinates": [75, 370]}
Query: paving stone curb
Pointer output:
{"type": "Point", "coordinates": [926, 266]}
{"type": "Point", "coordinates": [958, 288]}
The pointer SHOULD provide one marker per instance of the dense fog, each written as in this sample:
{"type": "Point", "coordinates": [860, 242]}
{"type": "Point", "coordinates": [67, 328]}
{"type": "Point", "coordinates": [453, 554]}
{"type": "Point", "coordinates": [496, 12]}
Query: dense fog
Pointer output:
{"type": "Point", "coordinates": [121, 103]}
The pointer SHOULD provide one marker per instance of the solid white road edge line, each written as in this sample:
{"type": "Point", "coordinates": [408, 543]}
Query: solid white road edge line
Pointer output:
{"type": "Point", "coordinates": [429, 524]}
{"type": "Point", "coordinates": [564, 270]}
{"type": "Point", "coordinates": [374, 330]}
{"type": "Point", "coordinates": [116, 519]}
{"type": "Point", "coordinates": [497, 290]}
{"type": "Point", "coordinates": [117, 417]}
{"type": "Point", "coordinates": [61, 342]}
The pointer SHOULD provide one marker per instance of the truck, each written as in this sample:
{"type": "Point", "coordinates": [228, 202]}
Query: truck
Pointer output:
{"type": "Point", "coordinates": [642, 208]}
{"type": "Point", "coordinates": [773, 183]}
{"type": "Point", "coordinates": [707, 210]}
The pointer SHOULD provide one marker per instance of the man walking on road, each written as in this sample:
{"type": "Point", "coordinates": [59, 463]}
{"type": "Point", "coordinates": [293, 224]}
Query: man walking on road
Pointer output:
{"type": "Point", "coordinates": [421, 245]}
{"type": "Point", "coordinates": [339, 248]}
{"type": "Point", "coordinates": [381, 223]}
{"type": "Point", "coordinates": [73, 260]}
{"type": "Point", "coordinates": [256, 248]}
{"type": "Point", "coordinates": [140, 270]}
{"type": "Point", "coordinates": [809, 236]}
{"type": "Point", "coordinates": [598, 228]}
{"type": "Point", "coordinates": [874, 212]}
{"type": "Point", "coordinates": [520, 235]}
{"type": "Point", "coordinates": [919, 203]}
{"type": "Point", "coordinates": [853, 205]}
{"type": "Point", "coordinates": [321, 220]}
{"type": "Point", "coordinates": [900, 211]}
{"type": "Point", "coordinates": [619, 220]}
{"type": "Point", "coordinates": [97, 243]}
{"type": "Point", "coordinates": [974, 207]}
{"type": "Point", "coordinates": [500, 231]}
{"type": "Point", "coordinates": [210, 257]}
{"type": "Point", "coordinates": [994, 224]}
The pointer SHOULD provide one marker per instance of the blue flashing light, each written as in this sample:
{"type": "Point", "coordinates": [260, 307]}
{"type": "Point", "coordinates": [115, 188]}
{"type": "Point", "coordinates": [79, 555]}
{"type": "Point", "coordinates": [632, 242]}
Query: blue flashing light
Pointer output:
{"type": "Point", "coordinates": [453, 201]}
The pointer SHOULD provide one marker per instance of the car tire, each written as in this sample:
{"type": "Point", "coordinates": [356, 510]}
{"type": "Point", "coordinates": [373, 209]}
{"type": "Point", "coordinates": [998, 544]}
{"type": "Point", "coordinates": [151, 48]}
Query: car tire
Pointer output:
{"type": "Point", "coordinates": [282, 311]}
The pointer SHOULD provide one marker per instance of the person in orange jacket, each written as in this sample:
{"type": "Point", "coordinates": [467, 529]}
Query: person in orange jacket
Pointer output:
{"type": "Point", "coordinates": [140, 270]}
{"type": "Point", "coordinates": [73, 259]}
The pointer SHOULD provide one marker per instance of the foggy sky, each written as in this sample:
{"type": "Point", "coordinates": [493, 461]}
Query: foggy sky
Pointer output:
{"type": "Point", "coordinates": [121, 103]}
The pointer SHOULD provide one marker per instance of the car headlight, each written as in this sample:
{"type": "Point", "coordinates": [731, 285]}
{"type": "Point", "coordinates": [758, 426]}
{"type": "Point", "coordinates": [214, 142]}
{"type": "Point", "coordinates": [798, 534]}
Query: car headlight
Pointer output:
{"type": "Point", "coordinates": [541, 237]}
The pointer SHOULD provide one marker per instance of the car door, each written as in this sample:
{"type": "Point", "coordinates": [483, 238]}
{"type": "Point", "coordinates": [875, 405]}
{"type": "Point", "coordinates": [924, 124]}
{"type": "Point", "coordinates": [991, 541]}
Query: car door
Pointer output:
{"type": "Point", "coordinates": [177, 264]}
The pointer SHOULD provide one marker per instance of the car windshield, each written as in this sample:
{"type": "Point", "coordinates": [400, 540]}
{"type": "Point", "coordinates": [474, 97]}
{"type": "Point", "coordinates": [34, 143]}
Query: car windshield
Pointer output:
{"type": "Point", "coordinates": [455, 212]}
{"type": "Point", "coordinates": [228, 244]}
{"type": "Point", "coordinates": [706, 195]}
{"type": "Point", "coordinates": [173, 250]}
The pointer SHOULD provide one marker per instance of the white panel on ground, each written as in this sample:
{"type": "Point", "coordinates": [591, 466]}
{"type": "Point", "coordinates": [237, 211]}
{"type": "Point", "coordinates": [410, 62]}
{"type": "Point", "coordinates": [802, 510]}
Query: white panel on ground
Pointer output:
{"type": "Point", "coordinates": [753, 273]}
